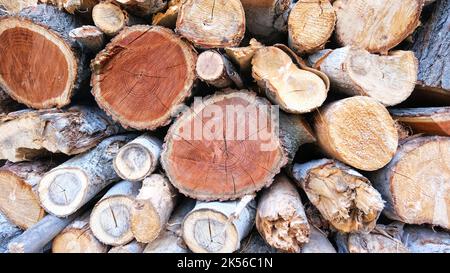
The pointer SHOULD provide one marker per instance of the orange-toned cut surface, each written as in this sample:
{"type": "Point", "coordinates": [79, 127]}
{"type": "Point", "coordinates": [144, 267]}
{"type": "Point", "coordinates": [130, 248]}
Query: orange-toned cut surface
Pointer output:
{"type": "Point", "coordinates": [142, 82]}
{"type": "Point", "coordinates": [222, 168]}
{"type": "Point", "coordinates": [33, 67]}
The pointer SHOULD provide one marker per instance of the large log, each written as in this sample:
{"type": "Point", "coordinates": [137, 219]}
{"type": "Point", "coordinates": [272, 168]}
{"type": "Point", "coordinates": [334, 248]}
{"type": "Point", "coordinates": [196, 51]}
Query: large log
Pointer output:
{"type": "Point", "coordinates": [212, 23]}
{"type": "Point", "coordinates": [210, 155]}
{"type": "Point", "coordinates": [152, 208]}
{"type": "Point", "coordinates": [170, 240]}
{"type": "Point", "coordinates": [419, 239]}
{"type": "Point", "coordinates": [267, 19]}
{"type": "Point", "coordinates": [432, 120]}
{"type": "Point", "coordinates": [389, 79]}
{"type": "Point", "coordinates": [28, 134]}
{"type": "Point", "coordinates": [43, 32]}
{"type": "Point", "coordinates": [295, 90]}
{"type": "Point", "coordinates": [431, 45]}
{"type": "Point", "coordinates": [343, 196]}
{"type": "Point", "coordinates": [8, 231]}
{"type": "Point", "coordinates": [18, 199]}
{"type": "Point", "coordinates": [64, 189]}
{"type": "Point", "coordinates": [281, 218]}
{"type": "Point", "coordinates": [376, 26]}
{"type": "Point", "coordinates": [219, 227]}
{"type": "Point", "coordinates": [138, 158]}
{"type": "Point", "coordinates": [310, 25]}
{"type": "Point", "coordinates": [110, 217]}
{"type": "Point", "coordinates": [138, 96]}
{"type": "Point", "coordinates": [78, 238]}
{"type": "Point", "coordinates": [357, 131]}
{"type": "Point", "coordinates": [416, 183]}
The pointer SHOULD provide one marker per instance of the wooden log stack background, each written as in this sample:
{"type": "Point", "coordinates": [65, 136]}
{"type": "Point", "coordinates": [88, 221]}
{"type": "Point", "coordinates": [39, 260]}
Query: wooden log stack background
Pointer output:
{"type": "Point", "coordinates": [97, 99]}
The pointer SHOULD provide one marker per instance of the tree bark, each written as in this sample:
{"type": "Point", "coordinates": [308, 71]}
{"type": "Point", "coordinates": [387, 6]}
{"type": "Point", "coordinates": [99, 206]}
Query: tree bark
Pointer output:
{"type": "Point", "coordinates": [89, 37]}
{"type": "Point", "coordinates": [18, 199]}
{"type": "Point", "coordinates": [212, 23]}
{"type": "Point", "coordinates": [355, 72]}
{"type": "Point", "coordinates": [219, 227]}
{"type": "Point", "coordinates": [47, 44]}
{"type": "Point", "coordinates": [294, 90]}
{"type": "Point", "coordinates": [64, 189]}
{"type": "Point", "coordinates": [310, 25]}
{"type": "Point", "coordinates": [110, 217]}
{"type": "Point", "coordinates": [376, 26]}
{"type": "Point", "coordinates": [170, 240]}
{"type": "Point", "coordinates": [254, 243]}
{"type": "Point", "coordinates": [432, 120]}
{"type": "Point", "coordinates": [138, 158]}
{"type": "Point", "coordinates": [216, 70]}
{"type": "Point", "coordinates": [425, 240]}
{"type": "Point", "coordinates": [318, 243]}
{"type": "Point", "coordinates": [281, 218]}
{"type": "Point", "coordinates": [143, 8]}
{"type": "Point", "coordinates": [343, 196]}
{"type": "Point", "coordinates": [28, 134]}
{"type": "Point", "coordinates": [8, 232]}
{"type": "Point", "coordinates": [416, 183]}
{"type": "Point", "coordinates": [78, 238]}
{"type": "Point", "coordinates": [137, 97]}
{"type": "Point", "coordinates": [220, 171]}
{"type": "Point", "coordinates": [357, 131]}
{"type": "Point", "coordinates": [110, 18]}
{"type": "Point", "coordinates": [152, 208]}
{"type": "Point", "coordinates": [431, 44]}
{"type": "Point", "coordinates": [132, 247]}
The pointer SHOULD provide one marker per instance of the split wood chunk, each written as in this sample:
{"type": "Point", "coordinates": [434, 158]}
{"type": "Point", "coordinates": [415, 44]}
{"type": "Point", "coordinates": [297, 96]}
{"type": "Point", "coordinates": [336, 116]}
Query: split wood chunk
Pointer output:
{"type": "Point", "coordinates": [281, 218]}
{"type": "Point", "coordinates": [15, 6]}
{"type": "Point", "coordinates": [432, 120]}
{"type": "Point", "coordinates": [111, 18]}
{"type": "Point", "coordinates": [420, 239]}
{"type": "Point", "coordinates": [357, 131]}
{"type": "Point", "coordinates": [310, 25]}
{"type": "Point", "coordinates": [254, 243]}
{"type": "Point", "coordinates": [242, 56]}
{"type": "Point", "coordinates": [81, 6]}
{"type": "Point", "coordinates": [416, 183]}
{"type": "Point", "coordinates": [215, 69]}
{"type": "Point", "coordinates": [145, 95]}
{"type": "Point", "coordinates": [132, 247]}
{"type": "Point", "coordinates": [219, 227]}
{"type": "Point", "coordinates": [138, 158]}
{"type": "Point", "coordinates": [143, 8]}
{"type": "Point", "coordinates": [89, 37]}
{"type": "Point", "coordinates": [8, 231]}
{"type": "Point", "coordinates": [64, 189]}
{"type": "Point", "coordinates": [7, 104]}
{"type": "Point", "coordinates": [389, 79]}
{"type": "Point", "coordinates": [152, 208]}
{"type": "Point", "coordinates": [168, 18]}
{"type": "Point", "coordinates": [228, 145]}
{"type": "Point", "coordinates": [267, 19]}
{"type": "Point", "coordinates": [78, 238]}
{"type": "Point", "coordinates": [376, 26]}
{"type": "Point", "coordinates": [27, 134]}
{"type": "Point", "coordinates": [35, 239]}
{"type": "Point", "coordinates": [40, 36]}
{"type": "Point", "coordinates": [295, 90]}
{"type": "Point", "coordinates": [383, 239]}
{"type": "Point", "coordinates": [343, 196]}
{"type": "Point", "coordinates": [18, 182]}
{"type": "Point", "coordinates": [170, 240]}
{"type": "Point", "coordinates": [110, 217]}
{"type": "Point", "coordinates": [318, 243]}
{"type": "Point", "coordinates": [212, 23]}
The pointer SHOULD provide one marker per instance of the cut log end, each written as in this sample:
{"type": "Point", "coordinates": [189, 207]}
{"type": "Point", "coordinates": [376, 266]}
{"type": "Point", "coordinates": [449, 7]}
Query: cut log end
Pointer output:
{"type": "Point", "coordinates": [77, 240]}
{"type": "Point", "coordinates": [90, 37]}
{"type": "Point", "coordinates": [357, 131]}
{"type": "Point", "coordinates": [216, 166]}
{"type": "Point", "coordinates": [161, 62]}
{"type": "Point", "coordinates": [109, 17]}
{"type": "Point", "coordinates": [310, 25]}
{"type": "Point", "coordinates": [133, 162]}
{"type": "Point", "coordinates": [47, 88]}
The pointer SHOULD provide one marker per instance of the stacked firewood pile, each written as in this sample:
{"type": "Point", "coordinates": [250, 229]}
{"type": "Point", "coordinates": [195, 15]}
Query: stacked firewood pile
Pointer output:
{"type": "Point", "coordinates": [339, 139]}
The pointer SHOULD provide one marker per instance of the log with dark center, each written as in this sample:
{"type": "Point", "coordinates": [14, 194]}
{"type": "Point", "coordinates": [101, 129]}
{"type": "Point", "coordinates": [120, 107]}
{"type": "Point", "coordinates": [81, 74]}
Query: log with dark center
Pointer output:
{"type": "Point", "coordinates": [143, 75]}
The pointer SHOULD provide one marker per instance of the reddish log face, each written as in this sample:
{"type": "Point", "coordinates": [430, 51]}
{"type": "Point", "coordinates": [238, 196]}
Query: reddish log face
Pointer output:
{"type": "Point", "coordinates": [37, 68]}
{"type": "Point", "coordinates": [226, 165]}
{"type": "Point", "coordinates": [145, 74]}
